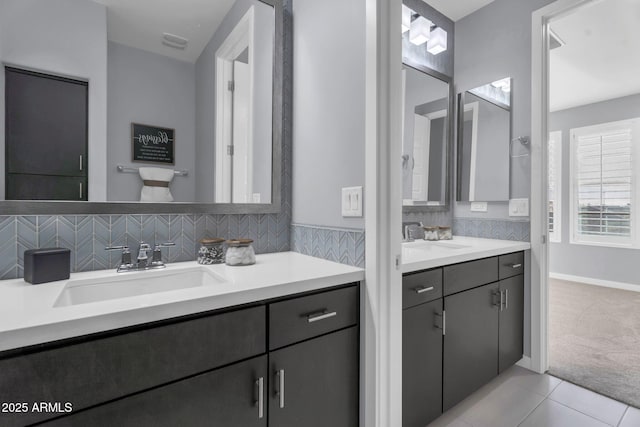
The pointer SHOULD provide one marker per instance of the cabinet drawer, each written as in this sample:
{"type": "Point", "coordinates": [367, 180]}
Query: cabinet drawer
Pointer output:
{"type": "Point", "coordinates": [460, 277]}
{"type": "Point", "coordinates": [421, 287]}
{"type": "Point", "coordinates": [99, 370]}
{"type": "Point", "coordinates": [301, 318]}
{"type": "Point", "coordinates": [511, 265]}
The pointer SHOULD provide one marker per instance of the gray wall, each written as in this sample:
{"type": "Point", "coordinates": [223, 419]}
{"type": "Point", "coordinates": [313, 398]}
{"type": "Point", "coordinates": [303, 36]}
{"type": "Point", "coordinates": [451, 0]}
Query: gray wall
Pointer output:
{"type": "Point", "coordinates": [492, 43]}
{"type": "Point", "coordinates": [148, 88]}
{"type": "Point", "coordinates": [329, 108]}
{"type": "Point", "coordinates": [596, 262]}
{"type": "Point", "coordinates": [42, 35]}
{"type": "Point", "coordinates": [205, 75]}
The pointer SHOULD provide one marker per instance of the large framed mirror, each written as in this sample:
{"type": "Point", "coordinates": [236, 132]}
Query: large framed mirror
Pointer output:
{"type": "Point", "coordinates": [113, 106]}
{"type": "Point", "coordinates": [484, 137]}
{"type": "Point", "coordinates": [426, 139]}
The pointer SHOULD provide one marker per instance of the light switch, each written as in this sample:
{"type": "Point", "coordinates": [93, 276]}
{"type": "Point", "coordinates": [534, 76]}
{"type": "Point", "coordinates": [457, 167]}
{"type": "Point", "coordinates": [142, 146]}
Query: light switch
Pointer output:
{"type": "Point", "coordinates": [352, 201]}
{"type": "Point", "coordinates": [478, 206]}
{"type": "Point", "coordinates": [519, 207]}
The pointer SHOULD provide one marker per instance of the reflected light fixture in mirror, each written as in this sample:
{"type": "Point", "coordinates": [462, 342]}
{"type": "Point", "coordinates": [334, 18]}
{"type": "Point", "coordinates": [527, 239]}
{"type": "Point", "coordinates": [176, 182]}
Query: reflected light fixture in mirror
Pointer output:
{"type": "Point", "coordinates": [420, 30]}
{"type": "Point", "coordinates": [437, 41]}
{"type": "Point", "coordinates": [407, 13]}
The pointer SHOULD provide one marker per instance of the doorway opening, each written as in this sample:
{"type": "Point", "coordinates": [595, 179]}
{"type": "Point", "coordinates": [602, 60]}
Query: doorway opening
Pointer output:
{"type": "Point", "coordinates": [591, 166]}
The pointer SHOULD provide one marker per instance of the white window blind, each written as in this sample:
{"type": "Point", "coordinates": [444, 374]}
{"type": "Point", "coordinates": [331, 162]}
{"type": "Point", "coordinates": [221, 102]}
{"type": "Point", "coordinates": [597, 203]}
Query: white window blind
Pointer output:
{"type": "Point", "coordinates": [603, 186]}
{"type": "Point", "coordinates": [554, 167]}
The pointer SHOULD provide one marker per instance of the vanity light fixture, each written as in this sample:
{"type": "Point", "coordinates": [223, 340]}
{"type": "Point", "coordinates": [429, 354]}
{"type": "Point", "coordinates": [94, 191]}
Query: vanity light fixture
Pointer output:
{"type": "Point", "coordinates": [420, 30]}
{"type": "Point", "coordinates": [437, 41]}
{"type": "Point", "coordinates": [407, 13]}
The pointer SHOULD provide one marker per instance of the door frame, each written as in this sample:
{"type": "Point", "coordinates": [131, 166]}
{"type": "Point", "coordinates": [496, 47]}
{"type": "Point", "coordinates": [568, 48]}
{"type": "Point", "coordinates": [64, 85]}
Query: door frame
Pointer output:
{"type": "Point", "coordinates": [239, 39]}
{"type": "Point", "coordinates": [539, 169]}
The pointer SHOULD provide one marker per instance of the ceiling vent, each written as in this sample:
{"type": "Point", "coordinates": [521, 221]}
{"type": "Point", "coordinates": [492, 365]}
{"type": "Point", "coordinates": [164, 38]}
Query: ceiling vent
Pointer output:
{"type": "Point", "coordinates": [554, 40]}
{"type": "Point", "coordinates": [174, 41]}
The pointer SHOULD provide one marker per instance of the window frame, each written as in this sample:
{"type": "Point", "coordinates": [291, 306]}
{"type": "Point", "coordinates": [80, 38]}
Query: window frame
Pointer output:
{"type": "Point", "coordinates": [600, 130]}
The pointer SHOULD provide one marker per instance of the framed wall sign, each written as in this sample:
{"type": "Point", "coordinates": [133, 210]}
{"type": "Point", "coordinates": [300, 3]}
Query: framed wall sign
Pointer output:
{"type": "Point", "coordinates": [152, 144]}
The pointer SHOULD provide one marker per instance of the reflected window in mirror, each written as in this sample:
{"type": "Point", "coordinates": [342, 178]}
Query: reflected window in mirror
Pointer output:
{"type": "Point", "coordinates": [484, 134]}
{"type": "Point", "coordinates": [199, 78]}
{"type": "Point", "coordinates": [425, 140]}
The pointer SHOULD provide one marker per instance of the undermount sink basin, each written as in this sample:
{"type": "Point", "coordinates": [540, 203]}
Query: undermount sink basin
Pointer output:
{"type": "Point", "coordinates": [133, 284]}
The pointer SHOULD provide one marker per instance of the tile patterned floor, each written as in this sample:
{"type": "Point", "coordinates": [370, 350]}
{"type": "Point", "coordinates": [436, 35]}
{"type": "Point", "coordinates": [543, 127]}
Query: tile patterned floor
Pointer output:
{"type": "Point", "coordinates": [521, 398]}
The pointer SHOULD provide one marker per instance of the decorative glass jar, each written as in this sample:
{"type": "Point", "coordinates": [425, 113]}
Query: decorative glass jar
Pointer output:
{"type": "Point", "coordinates": [211, 251]}
{"type": "Point", "coordinates": [240, 252]}
{"type": "Point", "coordinates": [430, 233]}
{"type": "Point", "coordinates": [444, 233]}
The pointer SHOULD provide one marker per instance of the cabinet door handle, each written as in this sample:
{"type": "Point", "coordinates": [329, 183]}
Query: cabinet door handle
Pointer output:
{"type": "Point", "coordinates": [321, 316]}
{"type": "Point", "coordinates": [280, 382]}
{"type": "Point", "coordinates": [81, 165]}
{"type": "Point", "coordinates": [260, 401]}
{"type": "Point", "coordinates": [516, 265]}
{"type": "Point", "coordinates": [81, 194]}
{"type": "Point", "coordinates": [501, 300]}
{"type": "Point", "coordinates": [444, 322]}
{"type": "Point", "coordinates": [506, 299]}
{"type": "Point", "coordinates": [424, 289]}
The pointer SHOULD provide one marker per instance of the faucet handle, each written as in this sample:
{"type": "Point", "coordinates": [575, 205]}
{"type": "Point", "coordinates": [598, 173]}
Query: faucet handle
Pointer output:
{"type": "Point", "coordinates": [126, 254]}
{"type": "Point", "coordinates": [157, 253]}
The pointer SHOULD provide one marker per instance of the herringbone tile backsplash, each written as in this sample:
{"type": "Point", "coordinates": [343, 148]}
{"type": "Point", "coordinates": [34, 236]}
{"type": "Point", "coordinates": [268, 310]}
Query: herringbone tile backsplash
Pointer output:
{"type": "Point", "coordinates": [339, 245]}
{"type": "Point", "coordinates": [88, 235]}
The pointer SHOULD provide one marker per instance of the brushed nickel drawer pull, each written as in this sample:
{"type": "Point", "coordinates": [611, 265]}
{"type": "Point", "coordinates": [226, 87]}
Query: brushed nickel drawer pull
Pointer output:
{"type": "Point", "coordinates": [260, 384]}
{"type": "Point", "coordinates": [423, 290]}
{"type": "Point", "coordinates": [324, 315]}
{"type": "Point", "coordinates": [280, 392]}
{"type": "Point", "coordinates": [516, 266]}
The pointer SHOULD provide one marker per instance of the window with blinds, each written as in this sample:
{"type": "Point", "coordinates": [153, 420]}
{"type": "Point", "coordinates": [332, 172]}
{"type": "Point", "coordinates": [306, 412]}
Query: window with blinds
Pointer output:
{"type": "Point", "coordinates": [554, 168]}
{"type": "Point", "coordinates": [602, 172]}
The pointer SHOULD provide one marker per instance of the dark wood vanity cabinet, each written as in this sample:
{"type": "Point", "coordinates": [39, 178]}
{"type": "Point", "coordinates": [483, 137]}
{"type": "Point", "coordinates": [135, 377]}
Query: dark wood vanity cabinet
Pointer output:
{"type": "Point", "coordinates": [211, 369]}
{"type": "Point", "coordinates": [454, 344]}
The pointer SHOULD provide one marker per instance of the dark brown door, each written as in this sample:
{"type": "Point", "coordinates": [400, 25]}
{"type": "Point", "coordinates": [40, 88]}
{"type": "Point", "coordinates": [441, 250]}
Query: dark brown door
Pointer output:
{"type": "Point", "coordinates": [222, 398]}
{"type": "Point", "coordinates": [511, 321]}
{"type": "Point", "coordinates": [422, 364]}
{"type": "Point", "coordinates": [46, 136]}
{"type": "Point", "coordinates": [470, 342]}
{"type": "Point", "coordinates": [315, 383]}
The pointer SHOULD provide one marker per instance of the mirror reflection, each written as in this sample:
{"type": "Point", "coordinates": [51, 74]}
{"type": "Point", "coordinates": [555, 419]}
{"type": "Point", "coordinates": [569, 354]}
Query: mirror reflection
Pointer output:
{"type": "Point", "coordinates": [425, 139]}
{"type": "Point", "coordinates": [484, 133]}
{"type": "Point", "coordinates": [115, 100]}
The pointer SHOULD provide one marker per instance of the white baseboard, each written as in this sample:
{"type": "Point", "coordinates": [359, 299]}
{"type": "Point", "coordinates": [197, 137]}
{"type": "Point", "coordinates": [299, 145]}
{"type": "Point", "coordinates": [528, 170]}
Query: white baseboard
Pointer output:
{"type": "Point", "coordinates": [595, 282]}
{"type": "Point", "coordinates": [525, 362]}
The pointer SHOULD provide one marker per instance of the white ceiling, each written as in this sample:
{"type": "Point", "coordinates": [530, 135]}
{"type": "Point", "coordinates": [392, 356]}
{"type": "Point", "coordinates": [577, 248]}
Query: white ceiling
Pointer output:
{"type": "Point", "coordinates": [456, 9]}
{"type": "Point", "coordinates": [140, 23]}
{"type": "Point", "coordinates": [601, 58]}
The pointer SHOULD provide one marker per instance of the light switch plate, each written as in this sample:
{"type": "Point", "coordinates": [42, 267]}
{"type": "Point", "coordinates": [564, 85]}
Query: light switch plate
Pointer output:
{"type": "Point", "coordinates": [519, 207]}
{"type": "Point", "coordinates": [352, 201]}
{"type": "Point", "coordinates": [478, 206]}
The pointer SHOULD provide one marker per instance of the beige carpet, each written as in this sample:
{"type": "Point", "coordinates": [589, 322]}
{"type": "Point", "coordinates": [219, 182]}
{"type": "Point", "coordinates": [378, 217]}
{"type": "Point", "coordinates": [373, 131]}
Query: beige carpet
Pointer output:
{"type": "Point", "coordinates": [594, 338]}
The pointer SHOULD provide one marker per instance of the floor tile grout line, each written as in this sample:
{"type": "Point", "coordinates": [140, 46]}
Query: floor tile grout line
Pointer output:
{"type": "Point", "coordinates": [532, 411]}
{"type": "Point", "coordinates": [576, 410]}
{"type": "Point", "coordinates": [601, 395]}
{"type": "Point", "coordinates": [623, 415]}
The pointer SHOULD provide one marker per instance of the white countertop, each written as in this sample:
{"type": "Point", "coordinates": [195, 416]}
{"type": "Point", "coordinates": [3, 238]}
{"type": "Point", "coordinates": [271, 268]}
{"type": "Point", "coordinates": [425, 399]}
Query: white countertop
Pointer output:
{"type": "Point", "coordinates": [421, 254]}
{"type": "Point", "coordinates": [28, 315]}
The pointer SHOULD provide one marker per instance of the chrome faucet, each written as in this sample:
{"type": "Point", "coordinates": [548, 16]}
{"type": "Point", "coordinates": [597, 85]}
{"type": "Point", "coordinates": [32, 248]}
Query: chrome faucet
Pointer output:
{"type": "Point", "coordinates": [143, 254]}
{"type": "Point", "coordinates": [142, 260]}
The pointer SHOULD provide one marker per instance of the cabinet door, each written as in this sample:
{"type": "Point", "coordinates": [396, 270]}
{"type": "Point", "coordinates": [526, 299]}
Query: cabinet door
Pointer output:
{"type": "Point", "coordinates": [422, 364]}
{"type": "Point", "coordinates": [511, 321]}
{"type": "Point", "coordinates": [224, 397]}
{"type": "Point", "coordinates": [46, 124]}
{"type": "Point", "coordinates": [315, 383]}
{"type": "Point", "coordinates": [470, 342]}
